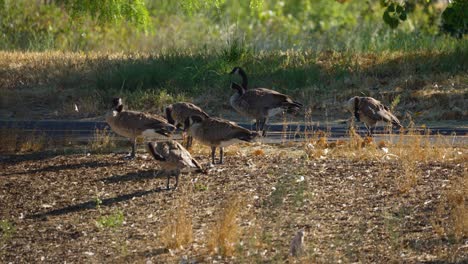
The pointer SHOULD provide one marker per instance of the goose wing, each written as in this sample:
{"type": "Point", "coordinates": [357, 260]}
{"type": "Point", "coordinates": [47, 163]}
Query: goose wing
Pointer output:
{"type": "Point", "coordinates": [375, 110]}
{"type": "Point", "coordinates": [177, 153]}
{"type": "Point", "coordinates": [221, 130]}
{"type": "Point", "coordinates": [194, 109]}
{"type": "Point", "coordinates": [142, 121]}
{"type": "Point", "coordinates": [181, 111]}
{"type": "Point", "coordinates": [267, 99]}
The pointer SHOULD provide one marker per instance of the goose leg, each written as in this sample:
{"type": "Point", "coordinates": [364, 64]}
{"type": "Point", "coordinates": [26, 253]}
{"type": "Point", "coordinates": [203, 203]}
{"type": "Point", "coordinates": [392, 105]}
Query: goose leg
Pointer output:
{"type": "Point", "coordinates": [132, 154]}
{"type": "Point", "coordinates": [369, 130]}
{"type": "Point", "coordinates": [168, 180]}
{"type": "Point", "coordinates": [221, 154]}
{"type": "Point", "coordinates": [176, 179]}
{"type": "Point", "coordinates": [189, 142]}
{"type": "Point", "coordinates": [257, 125]}
{"type": "Point", "coordinates": [213, 153]}
{"type": "Point", "coordinates": [264, 126]}
{"type": "Point", "coordinates": [372, 128]}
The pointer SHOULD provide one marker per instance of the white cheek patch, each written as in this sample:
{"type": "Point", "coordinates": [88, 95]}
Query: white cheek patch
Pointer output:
{"type": "Point", "coordinates": [274, 111]}
{"type": "Point", "coordinates": [229, 142]}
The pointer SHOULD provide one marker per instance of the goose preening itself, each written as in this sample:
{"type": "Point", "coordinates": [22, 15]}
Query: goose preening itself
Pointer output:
{"type": "Point", "coordinates": [218, 132]}
{"type": "Point", "coordinates": [260, 103]}
{"type": "Point", "coordinates": [173, 158]}
{"type": "Point", "coordinates": [177, 113]}
{"type": "Point", "coordinates": [370, 111]}
{"type": "Point", "coordinates": [133, 124]}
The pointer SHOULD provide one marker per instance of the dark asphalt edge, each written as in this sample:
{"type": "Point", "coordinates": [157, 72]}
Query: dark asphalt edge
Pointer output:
{"type": "Point", "coordinates": [85, 127]}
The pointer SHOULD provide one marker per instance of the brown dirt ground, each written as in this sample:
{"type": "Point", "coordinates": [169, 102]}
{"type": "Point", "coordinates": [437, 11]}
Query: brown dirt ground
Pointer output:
{"type": "Point", "coordinates": [353, 211]}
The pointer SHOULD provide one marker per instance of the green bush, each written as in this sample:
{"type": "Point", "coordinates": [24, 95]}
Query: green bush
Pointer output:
{"type": "Point", "coordinates": [202, 25]}
{"type": "Point", "coordinates": [455, 18]}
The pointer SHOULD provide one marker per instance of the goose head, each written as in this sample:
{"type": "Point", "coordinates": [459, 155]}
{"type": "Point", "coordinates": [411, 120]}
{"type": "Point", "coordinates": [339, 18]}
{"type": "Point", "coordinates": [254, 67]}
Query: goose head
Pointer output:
{"type": "Point", "coordinates": [117, 104]}
{"type": "Point", "coordinates": [191, 120]}
{"type": "Point", "coordinates": [239, 71]}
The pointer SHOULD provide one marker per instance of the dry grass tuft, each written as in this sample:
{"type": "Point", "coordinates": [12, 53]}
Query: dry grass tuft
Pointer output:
{"type": "Point", "coordinates": [451, 217]}
{"type": "Point", "coordinates": [258, 152]}
{"type": "Point", "coordinates": [355, 140]}
{"type": "Point", "coordinates": [13, 140]}
{"type": "Point", "coordinates": [382, 144]}
{"type": "Point", "coordinates": [102, 141]}
{"type": "Point", "coordinates": [225, 233]}
{"type": "Point", "coordinates": [179, 230]}
{"type": "Point", "coordinates": [458, 212]}
{"type": "Point", "coordinates": [322, 142]}
{"type": "Point", "coordinates": [33, 142]}
{"type": "Point", "coordinates": [8, 140]}
{"type": "Point", "coordinates": [409, 178]}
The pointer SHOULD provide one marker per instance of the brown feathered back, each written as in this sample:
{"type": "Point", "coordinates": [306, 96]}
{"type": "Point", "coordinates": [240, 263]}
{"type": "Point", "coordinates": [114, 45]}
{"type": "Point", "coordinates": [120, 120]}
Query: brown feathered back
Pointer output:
{"type": "Point", "coordinates": [261, 102]}
{"type": "Point", "coordinates": [370, 111]}
{"type": "Point", "coordinates": [220, 132]}
{"type": "Point", "coordinates": [177, 113]}
{"type": "Point", "coordinates": [172, 155]}
{"type": "Point", "coordinates": [132, 124]}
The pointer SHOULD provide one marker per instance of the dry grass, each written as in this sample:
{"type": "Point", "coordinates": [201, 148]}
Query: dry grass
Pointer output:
{"type": "Point", "coordinates": [226, 231]}
{"type": "Point", "coordinates": [409, 177]}
{"type": "Point", "coordinates": [102, 142]}
{"type": "Point", "coordinates": [8, 140]}
{"type": "Point", "coordinates": [20, 141]}
{"type": "Point", "coordinates": [34, 142]}
{"type": "Point", "coordinates": [50, 84]}
{"type": "Point", "coordinates": [401, 199]}
{"type": "Point", "coordinates": [178, 230]}
{"type": "Point", "coordinates": [451, 218]}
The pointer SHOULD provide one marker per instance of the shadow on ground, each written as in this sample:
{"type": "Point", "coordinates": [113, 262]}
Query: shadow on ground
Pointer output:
{"type": "Point", "coordinates": [56, 168]}
{"type": "Point", "coordinates": [93, 204]}
{"type": "Point", "coordinates": [135, 176]}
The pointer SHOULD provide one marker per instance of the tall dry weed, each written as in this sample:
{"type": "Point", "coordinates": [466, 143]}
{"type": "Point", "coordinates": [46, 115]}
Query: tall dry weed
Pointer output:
{"type": "Point", "coordinates": [33, 142]}
{"type": "Point", "coordinates": [225, 233]}
{"type": "Point", "coordinates": [8, 140]}
{"type": "Point", "coordinates": [456, 199]}
{"type": "Point", "coordinates": [451, 215]}
{"type": "Point", "coordinates": [103, 141]}
{"type": "Point", "coordinates": [178, 232]}
{"type": "Point", "coordinates": [410, 176]}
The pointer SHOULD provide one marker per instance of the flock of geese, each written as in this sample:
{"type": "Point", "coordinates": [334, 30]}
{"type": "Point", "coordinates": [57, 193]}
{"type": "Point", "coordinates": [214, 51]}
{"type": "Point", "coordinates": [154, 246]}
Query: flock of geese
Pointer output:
{"type": "Point", "coordinates": [254, 103]}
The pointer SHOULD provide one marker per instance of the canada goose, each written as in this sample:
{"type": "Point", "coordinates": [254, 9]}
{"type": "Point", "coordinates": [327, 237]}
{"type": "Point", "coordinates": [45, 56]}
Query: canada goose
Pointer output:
{"type": "Point", "coordinates": [370, 111]}
{"type": "Point", "coordinates": [177, 113]}
{"type": "Point", "coordinates": [173, 158]}
{"type": "Point", "coordinates": [133, 124]}
{"type": "Point", "coordinates": [217, 132]}
{"type": "Point", "coordinates": [260, 103]}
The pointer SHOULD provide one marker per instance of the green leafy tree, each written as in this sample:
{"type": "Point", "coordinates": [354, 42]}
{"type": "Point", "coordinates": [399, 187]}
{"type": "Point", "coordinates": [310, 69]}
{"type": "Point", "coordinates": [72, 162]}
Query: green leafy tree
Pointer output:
{"type": "Point", "coordinates": [106, 11]}
{"type": "Point", "coordinates": [394, 13]}
{"type": "Point", "coordinates": [455, 18]}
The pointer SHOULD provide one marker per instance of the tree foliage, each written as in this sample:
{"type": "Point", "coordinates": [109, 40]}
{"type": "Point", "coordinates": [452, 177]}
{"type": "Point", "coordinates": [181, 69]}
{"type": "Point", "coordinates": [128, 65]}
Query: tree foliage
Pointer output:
{"type": "Point", "coordinates": [107, 11]}
{"type": "Point", "coordinates": [394, 13]}
{"type": "Point", "coordinates": [455, 18]}
{"type": "Point", "coordinates": [193, 24]}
